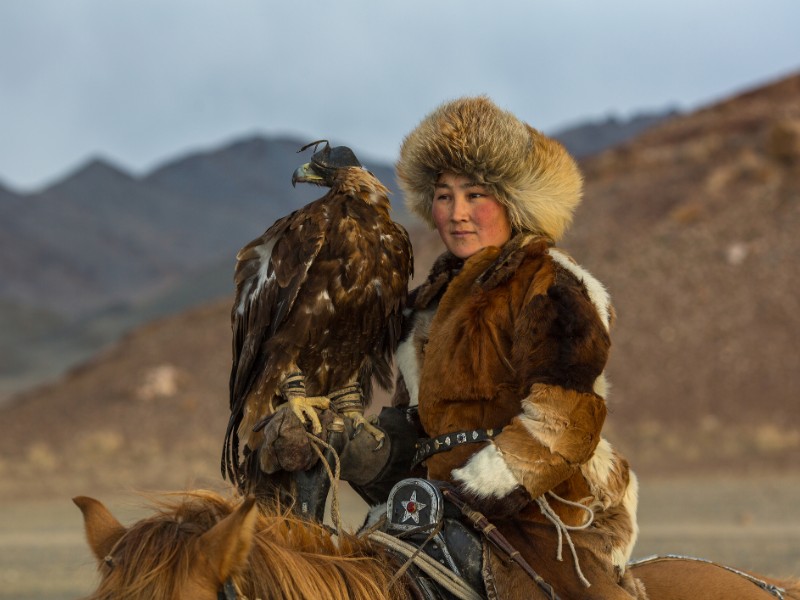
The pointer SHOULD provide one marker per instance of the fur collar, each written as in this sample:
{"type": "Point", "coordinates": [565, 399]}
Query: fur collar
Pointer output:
{"type": "Point", "coordinates": [447, 266]}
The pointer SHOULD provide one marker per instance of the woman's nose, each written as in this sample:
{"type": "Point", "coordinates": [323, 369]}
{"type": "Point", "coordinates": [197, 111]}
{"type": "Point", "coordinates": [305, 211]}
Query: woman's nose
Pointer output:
{"type": "Point", "coordinates": [460, 210]}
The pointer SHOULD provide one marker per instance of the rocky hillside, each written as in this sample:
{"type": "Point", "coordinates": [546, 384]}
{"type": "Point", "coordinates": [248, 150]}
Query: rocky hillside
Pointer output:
{"type": "Point", "coordinates": [692, 226]}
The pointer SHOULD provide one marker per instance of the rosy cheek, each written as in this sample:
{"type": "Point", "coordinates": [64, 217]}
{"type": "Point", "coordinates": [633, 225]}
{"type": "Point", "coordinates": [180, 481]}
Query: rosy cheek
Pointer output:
{"type": "Point", "coordinates": [487, 213]}
{"type": "Point", "coordinates": [492, 220]}
{"type": "Point", "coordinates": [439, 214]}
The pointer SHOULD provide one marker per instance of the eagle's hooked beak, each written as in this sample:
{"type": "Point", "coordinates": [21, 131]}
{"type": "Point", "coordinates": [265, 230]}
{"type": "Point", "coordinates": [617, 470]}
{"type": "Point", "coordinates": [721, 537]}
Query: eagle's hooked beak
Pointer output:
{"type": "Point", "coordinates": [307, 174]}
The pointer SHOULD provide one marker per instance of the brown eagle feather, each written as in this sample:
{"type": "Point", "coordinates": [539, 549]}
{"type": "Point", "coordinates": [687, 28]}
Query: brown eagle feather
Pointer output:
{"type": "Point", "coordinates": [322, 288]}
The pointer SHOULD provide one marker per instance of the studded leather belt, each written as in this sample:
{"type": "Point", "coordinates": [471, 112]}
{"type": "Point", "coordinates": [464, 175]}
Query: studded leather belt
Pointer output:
{"type": "Point", "coordinates": [447, 441]}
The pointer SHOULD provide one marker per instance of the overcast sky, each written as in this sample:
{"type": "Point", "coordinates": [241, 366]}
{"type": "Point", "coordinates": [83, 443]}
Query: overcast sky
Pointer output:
{"type": "Point", "coordinates": [142, 81]}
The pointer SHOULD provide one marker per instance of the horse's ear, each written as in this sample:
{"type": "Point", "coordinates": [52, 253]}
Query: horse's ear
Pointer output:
{"type": "Point", "coordinates": [228, 543]}
{"type": "Point", "coordinates": [102, 528]}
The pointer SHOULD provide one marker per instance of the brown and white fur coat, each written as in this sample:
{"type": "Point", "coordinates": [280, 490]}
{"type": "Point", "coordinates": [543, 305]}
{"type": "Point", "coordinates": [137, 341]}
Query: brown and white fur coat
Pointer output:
{"type": "Point", "coordinates": [517, 338]}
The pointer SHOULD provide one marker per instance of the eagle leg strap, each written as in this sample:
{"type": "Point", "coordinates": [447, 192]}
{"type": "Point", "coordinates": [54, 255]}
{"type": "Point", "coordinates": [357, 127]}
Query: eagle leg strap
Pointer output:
{"type": "Point", "coordinates": [293, 385]}
{"type": "Point", "coordinates": [347, 399]}
{"type": "Point", "coordinates": [293, 388]}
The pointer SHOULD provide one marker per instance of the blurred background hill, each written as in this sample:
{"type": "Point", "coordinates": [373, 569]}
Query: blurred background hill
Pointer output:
{"type": "Point", "coordinates": [101, 250]}
{"type": "Point", "coordinates": [690, 219]}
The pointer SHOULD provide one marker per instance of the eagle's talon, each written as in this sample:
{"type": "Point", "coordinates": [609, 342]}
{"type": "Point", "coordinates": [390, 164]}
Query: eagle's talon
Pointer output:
{"type": "Point", "coordinates": [305, 407]}
{"type": "Point", "coordinates": [360, 423]}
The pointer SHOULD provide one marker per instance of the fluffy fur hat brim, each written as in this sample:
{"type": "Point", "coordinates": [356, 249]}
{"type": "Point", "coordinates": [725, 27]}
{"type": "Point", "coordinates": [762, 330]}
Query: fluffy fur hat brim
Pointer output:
{"type": "Point", "coordinates": [532, 175]}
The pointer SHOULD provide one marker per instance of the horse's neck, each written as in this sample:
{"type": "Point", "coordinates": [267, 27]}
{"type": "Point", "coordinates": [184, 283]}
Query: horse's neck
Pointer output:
{"type": "Point", "coordinates": [308, 565]}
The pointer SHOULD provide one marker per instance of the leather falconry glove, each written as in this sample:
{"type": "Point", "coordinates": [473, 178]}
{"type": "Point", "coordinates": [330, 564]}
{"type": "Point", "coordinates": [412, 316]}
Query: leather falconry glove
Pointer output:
{"type": "Point", "coordinates": [286, 446]}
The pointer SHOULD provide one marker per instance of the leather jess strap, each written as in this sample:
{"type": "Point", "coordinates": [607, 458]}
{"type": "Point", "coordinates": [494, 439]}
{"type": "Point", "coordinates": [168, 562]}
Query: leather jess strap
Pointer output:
{"type": "Point", "coordinates": [447, 441]}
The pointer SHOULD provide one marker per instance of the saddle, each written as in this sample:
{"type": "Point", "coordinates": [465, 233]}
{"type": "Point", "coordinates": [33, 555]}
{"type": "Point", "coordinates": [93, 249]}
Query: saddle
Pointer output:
{"type": "Point", "coordinates": [425, 525]}
{"type": "Point", "coordinates": [418, 515]}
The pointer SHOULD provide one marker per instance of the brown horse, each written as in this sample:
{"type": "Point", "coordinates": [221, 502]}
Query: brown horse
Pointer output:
{"type": "Point", "coordinates": [677, 578]}
{"type": "Point", "coordinates": [198, 542]}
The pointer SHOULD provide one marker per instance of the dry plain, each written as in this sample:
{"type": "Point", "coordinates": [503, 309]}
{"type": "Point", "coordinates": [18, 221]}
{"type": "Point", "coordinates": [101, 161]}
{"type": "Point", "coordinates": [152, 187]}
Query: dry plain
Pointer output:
{"type": "Point", "coordinates": [749, 523]}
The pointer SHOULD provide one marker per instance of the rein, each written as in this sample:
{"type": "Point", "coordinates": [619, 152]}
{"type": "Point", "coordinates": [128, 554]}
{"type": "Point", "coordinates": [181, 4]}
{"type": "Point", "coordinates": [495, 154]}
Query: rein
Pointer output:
{"type": "Point", "coordinates": [482, 524]}
{"type": "Point", "coordinates": [454, 584]}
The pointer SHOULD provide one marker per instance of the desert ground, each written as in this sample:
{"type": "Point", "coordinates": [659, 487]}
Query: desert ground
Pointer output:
{"type": "Point", "coordinates": [749, 523]}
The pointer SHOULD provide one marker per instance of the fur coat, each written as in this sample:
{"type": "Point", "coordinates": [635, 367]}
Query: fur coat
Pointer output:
{"type": "Point", "coordinates": [517, 339]}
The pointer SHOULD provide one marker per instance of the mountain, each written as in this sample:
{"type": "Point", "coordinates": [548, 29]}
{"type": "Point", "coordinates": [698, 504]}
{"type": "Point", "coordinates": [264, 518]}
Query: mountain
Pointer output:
{"type": "Point", "coordinates": [692, 226]}
{"type": "Point", "coordinates": [587, 139]}
{"type": "Point", "coordinates": [251, 173]}
{"type": "Point", "coordinates": [101, 251]}
{"type": "Point", "coordinates": [101, 237]}
{"type": "Point", "coordinates": [83, 241]}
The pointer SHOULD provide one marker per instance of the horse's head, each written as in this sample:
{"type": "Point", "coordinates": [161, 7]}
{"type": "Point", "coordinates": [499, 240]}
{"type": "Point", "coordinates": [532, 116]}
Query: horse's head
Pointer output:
{"type": "Point", "coordinates": [185, 553]}
{"type": "Point", "coordinates": [198, 545]}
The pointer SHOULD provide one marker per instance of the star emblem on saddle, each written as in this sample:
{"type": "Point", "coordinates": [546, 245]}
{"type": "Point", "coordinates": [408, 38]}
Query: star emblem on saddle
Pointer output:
{"type": "Point", "coordinates": [412, 508]}
{"type": "Point", "coordinates": [414, 503]}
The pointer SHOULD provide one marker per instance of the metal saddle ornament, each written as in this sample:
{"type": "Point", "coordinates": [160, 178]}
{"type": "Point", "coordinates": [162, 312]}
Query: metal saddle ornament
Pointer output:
{"type": "Point", "coordinates": [418, 513]}
{"type": "Point", "coordinates": [414, 503]}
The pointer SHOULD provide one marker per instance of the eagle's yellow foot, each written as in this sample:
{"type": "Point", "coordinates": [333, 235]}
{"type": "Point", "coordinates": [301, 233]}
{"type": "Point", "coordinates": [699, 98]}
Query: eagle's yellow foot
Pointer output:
{"type": "Point", "coordinates": [293, 388]}
{"type": "Point", "coordinates": [349, 402]}
{"type": "Point", "coordinates": [305, 408]}
{"type": "Point", "coordinates": [360, 422]}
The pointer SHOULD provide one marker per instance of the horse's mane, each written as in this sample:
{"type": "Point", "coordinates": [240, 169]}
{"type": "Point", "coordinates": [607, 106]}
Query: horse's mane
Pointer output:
{"type": "Point", "coordinates": [290, 558]}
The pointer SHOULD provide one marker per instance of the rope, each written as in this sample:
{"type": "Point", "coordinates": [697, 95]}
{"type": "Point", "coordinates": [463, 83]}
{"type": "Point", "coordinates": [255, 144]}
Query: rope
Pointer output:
{"type": "Point", "coordinates": [439, 573]}
{"type": "Point", "coordinates": [443, 576]}
{"type": "Point", "coordinates": [482, 524]}
{"type": "Point", "coordinates": [418, 551]}
{"type": "Point", "coordinates": [333, 476]}
{"type": "Point", "coordinates": [563, 529]}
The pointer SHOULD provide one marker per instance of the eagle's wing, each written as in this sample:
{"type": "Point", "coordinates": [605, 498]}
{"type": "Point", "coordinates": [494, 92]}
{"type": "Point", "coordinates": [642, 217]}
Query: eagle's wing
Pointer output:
{"type": "Point", "coordinates": [270, 271]}
{"type": "Point", "coordinates": [398, 261]}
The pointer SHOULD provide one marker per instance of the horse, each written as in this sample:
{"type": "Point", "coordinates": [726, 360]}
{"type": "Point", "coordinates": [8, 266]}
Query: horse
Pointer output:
{"type": "Point", "coordinates": [684, 578]}
{"type": "Point", "coordinates": [200, 545]}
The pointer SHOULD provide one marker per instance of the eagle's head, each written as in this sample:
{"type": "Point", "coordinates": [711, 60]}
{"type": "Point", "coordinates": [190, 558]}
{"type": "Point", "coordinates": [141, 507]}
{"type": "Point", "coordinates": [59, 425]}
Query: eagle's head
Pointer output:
{"type": "Point", "coordinates": [324, 164]}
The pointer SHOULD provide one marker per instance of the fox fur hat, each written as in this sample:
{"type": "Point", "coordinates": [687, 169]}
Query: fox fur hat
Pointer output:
{"type": "Point", "coordinates": [530, 174]}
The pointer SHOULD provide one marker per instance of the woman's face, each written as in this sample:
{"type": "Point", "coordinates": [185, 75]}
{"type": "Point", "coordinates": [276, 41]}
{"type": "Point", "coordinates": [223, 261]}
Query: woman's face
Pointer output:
{"type": "Point", "coordinates": [467, 217]}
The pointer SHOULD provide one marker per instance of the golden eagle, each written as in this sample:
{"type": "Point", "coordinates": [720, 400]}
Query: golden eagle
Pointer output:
{"type": "Point", "coordinates": [318, 307]}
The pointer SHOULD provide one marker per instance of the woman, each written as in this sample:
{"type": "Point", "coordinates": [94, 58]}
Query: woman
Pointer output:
{"type": "Point", "coordinates": [508, 334]}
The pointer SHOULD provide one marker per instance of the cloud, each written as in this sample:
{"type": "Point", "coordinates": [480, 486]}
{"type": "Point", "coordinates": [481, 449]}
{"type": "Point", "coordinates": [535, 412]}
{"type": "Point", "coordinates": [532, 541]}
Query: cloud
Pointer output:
{"type": "Point", "coordinates": [141, 81]}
